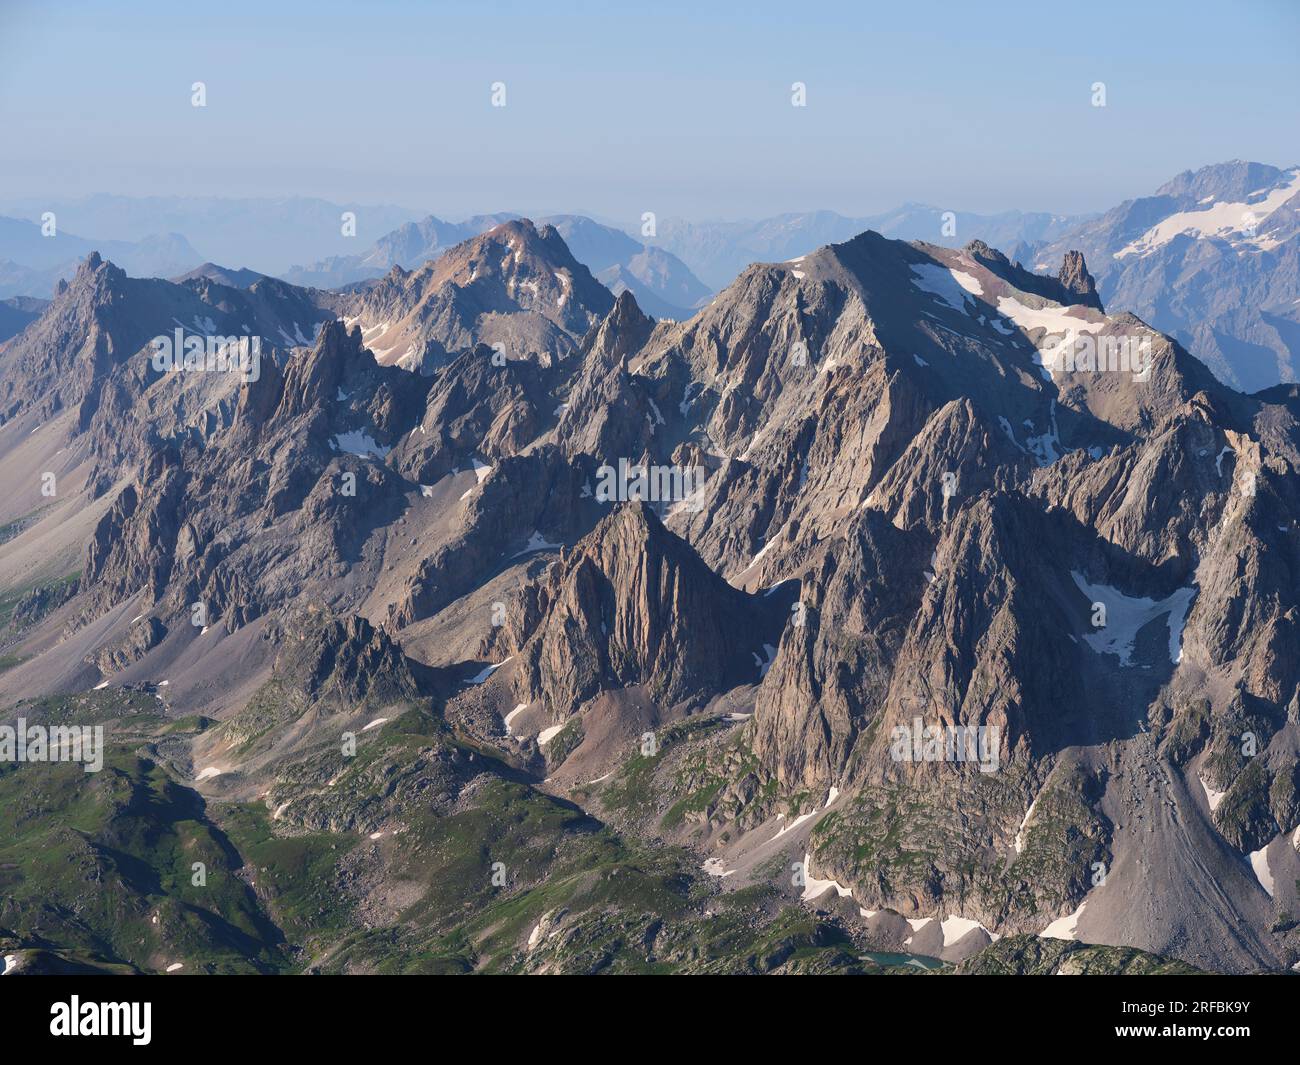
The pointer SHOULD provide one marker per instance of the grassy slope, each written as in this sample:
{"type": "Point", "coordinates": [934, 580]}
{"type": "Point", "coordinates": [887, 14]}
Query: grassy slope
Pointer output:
{"type": "Point", "coordinates": [96, 870]}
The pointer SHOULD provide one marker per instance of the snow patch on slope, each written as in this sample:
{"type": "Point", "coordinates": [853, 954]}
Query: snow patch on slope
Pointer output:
{"type": "Point", "coordinates": [1054, 318]}
{"type": "Point", "coordinates": [950, 286]}
{"type": "Point", "coordinates": [1235, 222]}
{"type": "Point", "coordinates": [519, 709]}
{"type": "Point", "coordinates": [791, 827]}
{"type": "Point", "coordinates": [537, 542]}
{"type": "Point", "coordinates": [1127, 615]}
{"type": "Point", "coordinates": [359, 442]}
{"type": "Point", "coordinates": [1020, 832]}
{"type": "Point", "coordinates": [1212, 797]}
{"type": "Point", "coordinates": [483, 675]}
{"type": "Point", "coordinates": [1064, 927]}
{"type": "Point", "coordinates": [814, 888]}
{"type": "Point", "coordinates": [1263, 872]}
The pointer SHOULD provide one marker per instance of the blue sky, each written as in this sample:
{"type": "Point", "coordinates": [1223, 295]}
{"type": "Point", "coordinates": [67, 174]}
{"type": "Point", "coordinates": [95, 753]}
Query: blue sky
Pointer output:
{"type": "Point", "coordinates": [614, 109]}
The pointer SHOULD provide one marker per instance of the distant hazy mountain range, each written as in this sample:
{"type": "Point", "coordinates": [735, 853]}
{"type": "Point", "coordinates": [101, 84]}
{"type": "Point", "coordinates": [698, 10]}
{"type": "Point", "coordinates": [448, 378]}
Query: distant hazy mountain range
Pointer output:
{"type": "Point", "coordinates": [267, 234]}
{"type": "Point", "coordinates": [673, 272]}
{"type": "Point", "coordinates": [17, 312]}
{"type": "Point", "coordinates": [31, 264]}
{"type": "Point", "coordinates": [718, 251]}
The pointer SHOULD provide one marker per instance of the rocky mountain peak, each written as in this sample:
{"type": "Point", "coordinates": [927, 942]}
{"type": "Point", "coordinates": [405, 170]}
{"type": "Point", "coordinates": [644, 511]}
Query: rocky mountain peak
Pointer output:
{"type": "Point", "coordinates": [1233, 180]}
{"type": "Point", "coordinates": [314, 378]}
{"type": "Point", "coordinates": [97, 273]}
{"type": "Point", "coordinates": [1076, 281]}
{"type": "Point", "coordinates": [978, 249]}
{"type": "Point", "coordinates": [632, 604]}
{"type": "Point", "coordinates": [512, 286]}
{"type": "Point", "coordinates": [622, 332]}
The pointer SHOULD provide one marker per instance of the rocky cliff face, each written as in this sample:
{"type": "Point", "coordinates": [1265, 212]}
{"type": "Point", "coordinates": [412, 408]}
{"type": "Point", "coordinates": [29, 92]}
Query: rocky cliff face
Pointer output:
{"type": "Point", "coordinates": [632, 604]}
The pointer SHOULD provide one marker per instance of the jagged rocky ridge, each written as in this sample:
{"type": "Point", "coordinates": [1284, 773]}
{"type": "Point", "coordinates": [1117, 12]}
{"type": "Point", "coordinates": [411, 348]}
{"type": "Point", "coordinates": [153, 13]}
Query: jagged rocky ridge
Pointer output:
{"type": "Point", "coordinates": [904, 515]}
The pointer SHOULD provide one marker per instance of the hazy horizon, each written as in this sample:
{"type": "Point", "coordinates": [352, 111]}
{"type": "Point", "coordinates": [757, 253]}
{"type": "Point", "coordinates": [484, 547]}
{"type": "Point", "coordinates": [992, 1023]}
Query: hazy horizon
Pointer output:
{"type": "Point", "coordinates": [611, 113]}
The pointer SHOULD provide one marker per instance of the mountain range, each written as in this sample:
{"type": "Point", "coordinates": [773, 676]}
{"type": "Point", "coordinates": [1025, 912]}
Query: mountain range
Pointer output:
{"type": "Point", "coordinates": [31, 263]}
{"type": "Point", "coordinates": [268, 233]}
{"type": "Point", "coordinates": [663, 284]}
{"type": "Point", "coordinates": [902, 606]}
{"type": "Point", "coordinates": [1210, 258]}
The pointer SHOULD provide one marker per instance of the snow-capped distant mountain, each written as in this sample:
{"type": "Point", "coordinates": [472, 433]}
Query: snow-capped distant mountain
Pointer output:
{"type": "Point", "coordinates": [1213, 259]}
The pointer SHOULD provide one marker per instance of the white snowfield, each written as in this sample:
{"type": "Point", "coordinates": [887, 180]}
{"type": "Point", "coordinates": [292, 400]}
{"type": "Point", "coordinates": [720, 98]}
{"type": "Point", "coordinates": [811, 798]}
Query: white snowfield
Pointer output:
{"type": "Point", "coordinates": [1263, 871]}
{"type": "Point", "coordinates": [481, 470]}
{"type": "Point", "coordinates": [761, 552]}
{"type": "Point", "coordinates": [717, 867]}
{"type": "Point", "coordinates": [792, 826]}
{"type": "Point", "coordinates": [1126, 615]}
{"type": "Point", "coordinates": [945, 284]}
{"type": "Point", "coordinates": [953, 929]}
{"type": "Point", "coordinates": [1045, 446]}
{"type": "Point", "coordinates": [814, 888]}
{"type": "Point", "coordinates": [487, 671]}
{"type": "Point", "coordinates": [1064, 927]}
{"type": "Point", "coordinates": [537, 542]}
{"type": "Point", "coordinates": [369, 333]}
{"type": "Point", "coordinates": [519, 709]}
{"type": "Point", "coordinates": [359, 442]}
{"type": "Point", "coordinates": [1212, 797]}
{"type": "Point", "coordinates": [1054, 319]}
{"type": "Point", "coordinates": [1020, 832]}
{"type": "Point", "coordinates": [1236, 222]}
